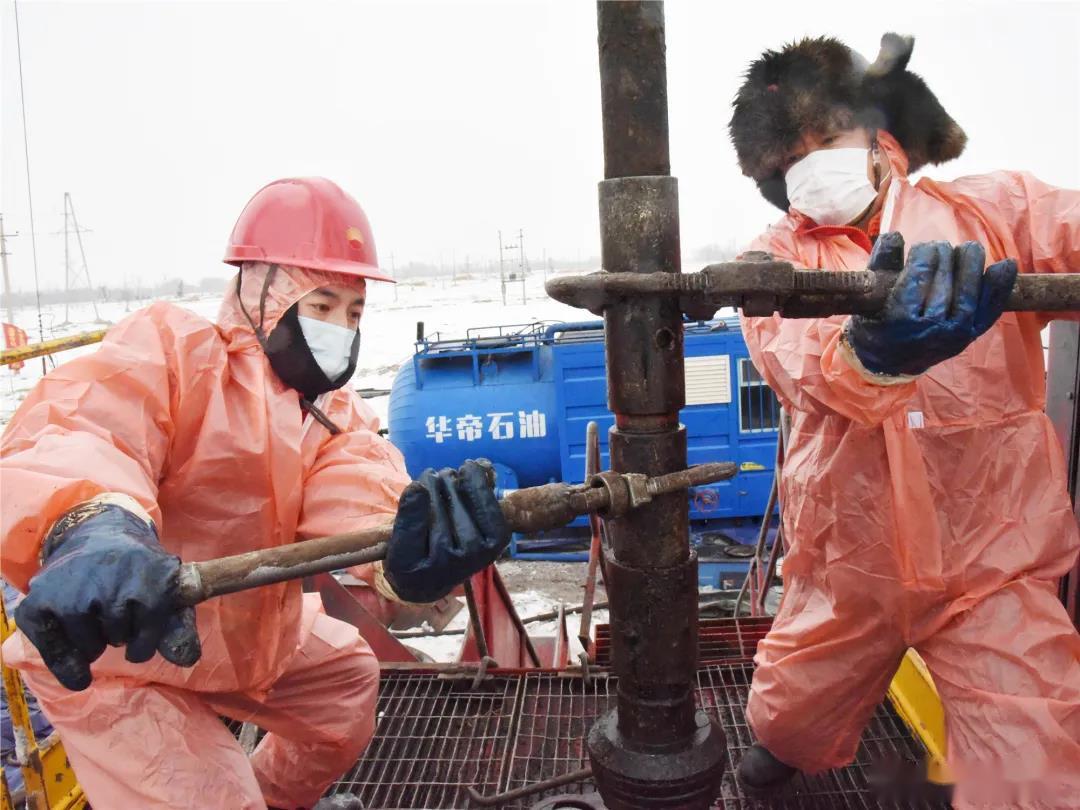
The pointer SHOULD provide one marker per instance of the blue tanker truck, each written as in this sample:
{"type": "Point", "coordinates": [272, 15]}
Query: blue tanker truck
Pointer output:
{"type": "Point", "coordinates": [522, 396]}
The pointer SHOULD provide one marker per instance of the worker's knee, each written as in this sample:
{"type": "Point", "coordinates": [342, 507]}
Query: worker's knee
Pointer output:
{"type": "Point", "coordinates": [358, 693]}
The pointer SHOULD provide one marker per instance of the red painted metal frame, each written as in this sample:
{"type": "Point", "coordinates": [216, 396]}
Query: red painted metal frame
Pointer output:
{"type": "Point", "coordinates": [340, 604]}
{"type": "Point", "coordinates": [507, 641]}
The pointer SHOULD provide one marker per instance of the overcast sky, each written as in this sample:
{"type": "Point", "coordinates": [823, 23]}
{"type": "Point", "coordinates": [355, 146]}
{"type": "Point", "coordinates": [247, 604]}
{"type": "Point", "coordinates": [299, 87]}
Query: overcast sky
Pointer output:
{"type": "Point", "coordinates": [448, 121]}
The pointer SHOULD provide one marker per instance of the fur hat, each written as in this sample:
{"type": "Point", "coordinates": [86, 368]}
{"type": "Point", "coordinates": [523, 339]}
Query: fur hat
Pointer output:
{"type": "Point", "coordinates": [819, 85]}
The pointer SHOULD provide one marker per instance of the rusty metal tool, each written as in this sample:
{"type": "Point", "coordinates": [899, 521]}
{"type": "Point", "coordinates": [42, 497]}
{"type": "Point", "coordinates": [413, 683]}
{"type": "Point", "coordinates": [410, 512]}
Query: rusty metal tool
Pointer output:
{"type": "Point", "coordinates": [760, 285]}
{"type": "Point", "coordinates": [486, 661]}
{"type": "Point", "coordinates": [592, 467]}
{"type": "Point", "coordinates": [499, 799]}
{"type": "Point", "coordinates": [526, 510]}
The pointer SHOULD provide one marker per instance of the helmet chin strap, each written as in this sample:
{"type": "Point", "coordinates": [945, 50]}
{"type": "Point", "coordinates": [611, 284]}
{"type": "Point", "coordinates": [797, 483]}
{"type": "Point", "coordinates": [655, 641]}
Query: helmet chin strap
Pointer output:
{"type": "Point", "coordinates": [260, 335]}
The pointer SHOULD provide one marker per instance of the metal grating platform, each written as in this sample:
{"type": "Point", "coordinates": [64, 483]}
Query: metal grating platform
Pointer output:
{"type": "Point", "coordinates": [433, 735]}
{"type": "Point", "coordinates": [719, 640]}
{"type": "Point", "coordinates": [436, 734]}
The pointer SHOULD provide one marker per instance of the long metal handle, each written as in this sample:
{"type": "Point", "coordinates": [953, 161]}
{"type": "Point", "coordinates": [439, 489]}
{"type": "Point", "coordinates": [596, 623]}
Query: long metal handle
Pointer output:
{"type": "Point", "coordinates": [526, 510]}
{"type": "Point", "coordinates": [1033, 292]}
{"type": "Point", "coordinates": [499, 799]}
{"type": "Point", "coordinates": [759, 285]}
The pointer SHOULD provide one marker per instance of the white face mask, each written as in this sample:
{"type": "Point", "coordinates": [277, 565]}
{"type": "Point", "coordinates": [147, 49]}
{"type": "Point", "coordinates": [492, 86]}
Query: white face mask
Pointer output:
{"type": "Point", "coordinates": [830, 186]}
{"type": "Point", "coordinates": [330, 345]}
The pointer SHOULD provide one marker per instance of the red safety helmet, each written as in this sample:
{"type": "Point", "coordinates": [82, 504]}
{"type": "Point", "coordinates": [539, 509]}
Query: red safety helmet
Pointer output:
{"type": "Point", "coordinates": [308, 222]}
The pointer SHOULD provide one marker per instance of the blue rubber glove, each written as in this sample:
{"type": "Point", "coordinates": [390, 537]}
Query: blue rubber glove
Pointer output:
{"type": "Point", "coordinates": [448, 527]}
{"type": "Point", "coordinates": [941, 303]}
{"type": "Point", "coordinates": [105, 581]}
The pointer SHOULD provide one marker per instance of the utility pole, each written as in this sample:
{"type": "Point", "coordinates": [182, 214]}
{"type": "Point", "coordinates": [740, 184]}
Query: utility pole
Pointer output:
{"type": "Point", "coordinates": [7, 278]}
{"type": "Point", "coordinates": [502, 270]}
{"type": "Point", "coordinates": [393, 273]}
{"type": "Point", "coordinates": [521, 261]}
{"type": "Point", "coordinates": [520, 248]}
{"type": "Point", "coordinates": [67, 265]}
{"type": "Point", "coordinates": [69, 211]}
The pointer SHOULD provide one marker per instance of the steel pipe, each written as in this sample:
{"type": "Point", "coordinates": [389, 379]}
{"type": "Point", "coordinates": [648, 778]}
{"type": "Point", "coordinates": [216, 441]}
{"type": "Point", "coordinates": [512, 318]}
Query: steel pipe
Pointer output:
{"type": "Point", "coordinates": [654, 749]}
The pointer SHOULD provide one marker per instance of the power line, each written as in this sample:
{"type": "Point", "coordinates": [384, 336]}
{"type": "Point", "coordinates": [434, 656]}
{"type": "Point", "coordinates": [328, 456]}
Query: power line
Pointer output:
{"type": "Point", "coordinates": [29, 193]}
{"type": "Point", "coordinates": [61, 232]}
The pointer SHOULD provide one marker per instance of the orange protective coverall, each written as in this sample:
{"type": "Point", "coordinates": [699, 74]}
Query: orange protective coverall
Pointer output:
{"type": "Point", "coordinates": [188, 418]}
{"type": "Point", "coordinates": [930, 513]}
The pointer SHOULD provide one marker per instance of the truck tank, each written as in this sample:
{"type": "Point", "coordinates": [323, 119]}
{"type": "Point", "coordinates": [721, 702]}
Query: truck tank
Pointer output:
{"type": "Point", "coordinates": [522, 396]}
{"type": "Point", "coordinates": [490, 395]}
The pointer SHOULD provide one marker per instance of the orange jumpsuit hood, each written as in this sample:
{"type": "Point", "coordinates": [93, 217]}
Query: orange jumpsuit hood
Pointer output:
{"type": "Point", "coordinates": [266, 304]}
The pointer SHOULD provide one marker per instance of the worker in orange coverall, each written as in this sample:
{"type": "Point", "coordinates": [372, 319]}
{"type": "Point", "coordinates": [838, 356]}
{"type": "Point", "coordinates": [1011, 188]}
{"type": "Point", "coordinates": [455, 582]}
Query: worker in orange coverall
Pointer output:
{"type": "Point", "coordinates": [181, 439]}
{"type": "Point", "coordinates": [923, 489]}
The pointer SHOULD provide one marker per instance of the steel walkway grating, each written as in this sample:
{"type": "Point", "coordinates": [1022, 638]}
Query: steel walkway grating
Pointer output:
{"type": "Point", "coordinates": [719, 640]}
{"type": "Point", "coordinates": [436, 734]}
{"type": "Point", "coordinates": [886, 750]}
{"type": "Point", "coordinates": [433, 735]}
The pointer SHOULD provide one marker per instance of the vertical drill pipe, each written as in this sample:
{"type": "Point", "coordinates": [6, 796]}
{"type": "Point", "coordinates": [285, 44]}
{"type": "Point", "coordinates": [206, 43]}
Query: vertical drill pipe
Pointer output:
{"type": "Point", "coordinates": [639, 231]}
{"type": "Point", "coordinates": [633, 89]}
{"type": "Point", "coordinates": [654, 749]}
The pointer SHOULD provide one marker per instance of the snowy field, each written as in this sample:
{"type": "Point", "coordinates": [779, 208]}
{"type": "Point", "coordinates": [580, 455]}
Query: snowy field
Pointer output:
{"type": "Point", "coordinates": [389, 330]}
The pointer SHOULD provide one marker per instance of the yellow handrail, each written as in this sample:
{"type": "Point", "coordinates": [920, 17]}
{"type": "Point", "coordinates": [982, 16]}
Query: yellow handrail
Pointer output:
{"type": "Point", "coordinates": [32, 350]}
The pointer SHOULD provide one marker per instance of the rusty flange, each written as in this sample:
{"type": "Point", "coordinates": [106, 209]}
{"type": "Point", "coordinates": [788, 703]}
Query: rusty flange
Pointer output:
{"type": "Point", "coordinates": [686, 779]}
{"type": "Point", "coordinates": [640, 758]}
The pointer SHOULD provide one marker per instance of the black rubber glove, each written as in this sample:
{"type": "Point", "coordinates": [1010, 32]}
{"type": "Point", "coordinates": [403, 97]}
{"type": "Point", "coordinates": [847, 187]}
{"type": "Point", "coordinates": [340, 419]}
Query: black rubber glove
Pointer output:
{"type": "Point", "coordinates": [105, 581]}
{"type": "Point", "coordinates": [448, 527]}
{"type": "Point", "coordinates": [941, 302]}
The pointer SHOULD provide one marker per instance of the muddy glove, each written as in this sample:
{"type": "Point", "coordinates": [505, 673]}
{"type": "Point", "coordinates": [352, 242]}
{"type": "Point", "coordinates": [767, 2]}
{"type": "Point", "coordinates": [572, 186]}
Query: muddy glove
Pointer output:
{"type": "Point", "coordinates": [105, 580]}
{"type": "Point", "coordinates": [448, 527]}
{"type": "Point", "coordinates": [941, 303]}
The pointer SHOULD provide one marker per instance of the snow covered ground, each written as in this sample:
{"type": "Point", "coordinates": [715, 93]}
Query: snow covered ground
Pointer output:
{"type": "Point", "coordinates": [388, 328]}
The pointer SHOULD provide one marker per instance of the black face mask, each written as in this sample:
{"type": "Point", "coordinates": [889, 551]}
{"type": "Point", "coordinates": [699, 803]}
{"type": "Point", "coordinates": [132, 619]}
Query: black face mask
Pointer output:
{"type": "Point", "coordinates": [292, 361]}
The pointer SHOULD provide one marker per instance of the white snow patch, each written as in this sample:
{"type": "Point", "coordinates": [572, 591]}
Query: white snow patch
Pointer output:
{"type": "Point", "coordinates": [527, 603]}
